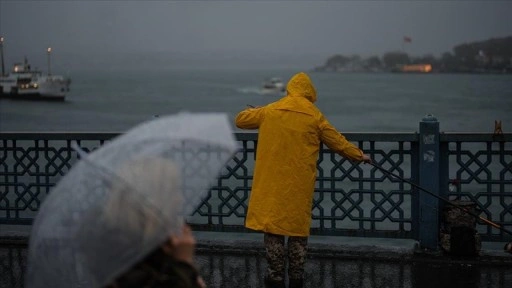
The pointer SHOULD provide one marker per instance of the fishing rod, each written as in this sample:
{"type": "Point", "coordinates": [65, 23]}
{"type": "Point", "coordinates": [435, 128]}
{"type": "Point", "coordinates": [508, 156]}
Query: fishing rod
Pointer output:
{"type": "Point", "coordinates": [486, 221]}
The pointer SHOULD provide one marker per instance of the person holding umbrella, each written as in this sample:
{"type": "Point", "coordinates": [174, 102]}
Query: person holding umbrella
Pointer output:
{"type": "Point", "coordinates": [171, 264]}
{"type": "Point", "coordinates": [291, 131]}
{"type": "Point", "coordinates": [118, 216]}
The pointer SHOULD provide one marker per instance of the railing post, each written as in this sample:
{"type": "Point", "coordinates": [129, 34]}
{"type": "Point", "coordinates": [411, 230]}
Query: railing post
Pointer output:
{"type": "Point", "coordinates": [429, 209]}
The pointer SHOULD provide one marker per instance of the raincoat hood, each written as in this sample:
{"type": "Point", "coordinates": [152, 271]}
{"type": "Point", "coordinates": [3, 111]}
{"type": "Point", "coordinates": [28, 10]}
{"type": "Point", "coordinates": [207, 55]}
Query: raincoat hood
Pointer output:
{"type": "Point", "coordinates": [300, 85]}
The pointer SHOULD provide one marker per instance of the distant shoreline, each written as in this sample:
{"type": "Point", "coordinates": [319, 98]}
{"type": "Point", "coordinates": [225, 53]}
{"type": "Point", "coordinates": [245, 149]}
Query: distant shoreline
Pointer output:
{"type": "Point", "coordinates": [492, 56]}
{"type": "Point", "coordinates": [507, 72]}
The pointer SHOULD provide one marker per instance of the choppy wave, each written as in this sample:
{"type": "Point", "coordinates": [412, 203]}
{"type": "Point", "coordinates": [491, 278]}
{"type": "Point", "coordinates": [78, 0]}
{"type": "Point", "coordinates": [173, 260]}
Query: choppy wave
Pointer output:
{"type": "Point", "coordinates": [258, 91]}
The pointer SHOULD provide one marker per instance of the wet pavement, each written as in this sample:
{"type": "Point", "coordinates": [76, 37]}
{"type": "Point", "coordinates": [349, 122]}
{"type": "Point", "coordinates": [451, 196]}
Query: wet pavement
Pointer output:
{"type": "Point", "coordinates": [231, 260]}
{"type": "Point", "coordinates": [248, 271]}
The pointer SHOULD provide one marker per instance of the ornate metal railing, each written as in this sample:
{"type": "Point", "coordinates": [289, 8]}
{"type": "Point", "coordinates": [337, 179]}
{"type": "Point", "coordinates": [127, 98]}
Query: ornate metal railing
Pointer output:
{"type": "Point", "coordinates": [350, 198]}
{"type": "Point", "coordinates": [478, 168]}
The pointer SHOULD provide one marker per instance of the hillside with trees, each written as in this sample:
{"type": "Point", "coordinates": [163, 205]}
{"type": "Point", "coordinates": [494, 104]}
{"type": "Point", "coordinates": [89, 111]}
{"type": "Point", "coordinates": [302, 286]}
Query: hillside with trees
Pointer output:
{"type": "Point", "coordinates": [489, 56]}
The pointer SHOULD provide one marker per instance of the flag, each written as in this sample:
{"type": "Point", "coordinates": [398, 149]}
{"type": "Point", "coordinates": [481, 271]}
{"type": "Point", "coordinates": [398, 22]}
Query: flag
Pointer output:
{"type": "Point", "coordinates": [407, 39]}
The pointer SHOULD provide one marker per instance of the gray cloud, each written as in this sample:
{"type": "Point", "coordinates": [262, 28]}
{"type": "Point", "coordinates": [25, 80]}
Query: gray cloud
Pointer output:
{"type": "Point", "coordinates": [286, 31]}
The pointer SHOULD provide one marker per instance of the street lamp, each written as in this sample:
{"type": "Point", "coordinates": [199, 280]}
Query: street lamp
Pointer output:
{"type": "Point", "coordinates": [49, 51]}
{"type": "Point", "coordinates": [2, 55]}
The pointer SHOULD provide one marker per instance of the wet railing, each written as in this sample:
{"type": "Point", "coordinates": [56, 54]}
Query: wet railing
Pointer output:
{"type": "Point", "coordinates": [478, 168]}
{"type": "Point", "coordinates": [351, 199]}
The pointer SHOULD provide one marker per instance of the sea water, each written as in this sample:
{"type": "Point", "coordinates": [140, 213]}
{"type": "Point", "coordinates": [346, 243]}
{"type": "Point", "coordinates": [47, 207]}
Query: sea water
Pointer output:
{"type": "Point", "coordinates": [115, 100]}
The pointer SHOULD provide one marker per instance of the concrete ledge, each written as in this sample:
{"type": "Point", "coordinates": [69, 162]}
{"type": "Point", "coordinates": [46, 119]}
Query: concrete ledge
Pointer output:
{"type": "Point", "coordinates": [335, 247]}
{"type": "Point", "coordinates": [318, 245]}
{"type": "Point", "coordinates": [349, 248]}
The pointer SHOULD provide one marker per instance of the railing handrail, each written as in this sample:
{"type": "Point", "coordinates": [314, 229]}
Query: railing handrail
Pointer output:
{"type": "Point", "coordinates": [352, 136]}
{"type": "Point", "coordinates": [58, 156]}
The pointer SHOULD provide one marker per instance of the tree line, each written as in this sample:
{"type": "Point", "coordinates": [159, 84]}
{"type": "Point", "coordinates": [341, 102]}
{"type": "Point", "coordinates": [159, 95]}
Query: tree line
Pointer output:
{"type": "Point", "coordinates": [489, 56]}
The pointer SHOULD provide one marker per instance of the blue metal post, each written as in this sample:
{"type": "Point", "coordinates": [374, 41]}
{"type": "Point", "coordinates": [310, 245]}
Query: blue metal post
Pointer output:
{"type": "Point", "coordinates": [429, 209]}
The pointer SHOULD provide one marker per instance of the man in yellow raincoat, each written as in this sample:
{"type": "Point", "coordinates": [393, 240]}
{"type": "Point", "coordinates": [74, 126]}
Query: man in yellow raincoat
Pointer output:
{"type": "Point", "coordinates": [291, 131]}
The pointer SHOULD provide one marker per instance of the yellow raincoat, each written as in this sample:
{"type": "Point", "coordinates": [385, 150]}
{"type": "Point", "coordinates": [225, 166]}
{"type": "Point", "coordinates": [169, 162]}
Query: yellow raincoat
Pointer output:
{"type": "Point", "coordinates": [290, 133]}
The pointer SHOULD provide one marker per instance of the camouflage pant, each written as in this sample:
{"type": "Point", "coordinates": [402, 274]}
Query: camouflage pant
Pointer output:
{"type": "Point", "coordinates": [276, 256]}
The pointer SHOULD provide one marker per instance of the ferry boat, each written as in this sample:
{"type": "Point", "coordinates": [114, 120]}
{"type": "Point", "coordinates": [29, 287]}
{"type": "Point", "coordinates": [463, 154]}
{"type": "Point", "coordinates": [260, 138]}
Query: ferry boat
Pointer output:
{"type": "Point", "coordinates": [24, 83]}
{"type": "Point", "coordinates": [274, 84]}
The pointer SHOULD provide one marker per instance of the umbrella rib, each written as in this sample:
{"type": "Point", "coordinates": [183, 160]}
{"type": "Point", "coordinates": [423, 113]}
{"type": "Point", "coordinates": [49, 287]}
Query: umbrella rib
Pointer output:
{"type": "Point", "coordinates": [106, 170]}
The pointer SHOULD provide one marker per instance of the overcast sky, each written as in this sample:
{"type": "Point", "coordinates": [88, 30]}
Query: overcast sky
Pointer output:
{"type": "Point", "coordinates": [289, 30]}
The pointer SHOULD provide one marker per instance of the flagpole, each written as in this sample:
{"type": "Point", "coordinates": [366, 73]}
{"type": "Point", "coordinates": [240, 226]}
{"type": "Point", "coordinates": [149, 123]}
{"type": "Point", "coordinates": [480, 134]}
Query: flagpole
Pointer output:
{"type": "Point", "coordinates": [405, 40]}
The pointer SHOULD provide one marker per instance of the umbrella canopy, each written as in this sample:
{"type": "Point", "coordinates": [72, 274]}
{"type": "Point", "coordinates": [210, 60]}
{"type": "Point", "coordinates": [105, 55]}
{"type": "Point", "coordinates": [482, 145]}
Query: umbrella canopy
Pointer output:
{"type": "Point", "coordinates": [124, 199]}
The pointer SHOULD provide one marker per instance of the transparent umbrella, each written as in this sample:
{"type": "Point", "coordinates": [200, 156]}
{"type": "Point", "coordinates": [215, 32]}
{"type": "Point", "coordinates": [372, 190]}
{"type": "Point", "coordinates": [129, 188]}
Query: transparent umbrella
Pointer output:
{"type": "Point", "coordinates": [124, 199]}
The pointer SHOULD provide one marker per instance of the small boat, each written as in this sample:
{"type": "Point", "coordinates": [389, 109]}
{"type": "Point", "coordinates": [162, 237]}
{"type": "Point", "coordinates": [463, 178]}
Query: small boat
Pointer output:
{"type": "Point", "coordinates": [25, 83]}
{"type": "Point", "coordinates": [274, 84]}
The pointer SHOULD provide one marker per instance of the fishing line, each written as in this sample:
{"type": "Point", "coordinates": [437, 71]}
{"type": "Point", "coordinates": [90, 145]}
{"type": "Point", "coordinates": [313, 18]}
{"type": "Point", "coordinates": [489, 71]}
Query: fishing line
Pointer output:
{"type": "Point", "coordinates": [486, 221]}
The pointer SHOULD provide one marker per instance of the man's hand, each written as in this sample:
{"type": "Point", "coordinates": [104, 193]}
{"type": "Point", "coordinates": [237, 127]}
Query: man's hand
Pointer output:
{"type": "Point", "coordinates": [182, 247]}
{"type": "Point", "coordinates": [367, 159]}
